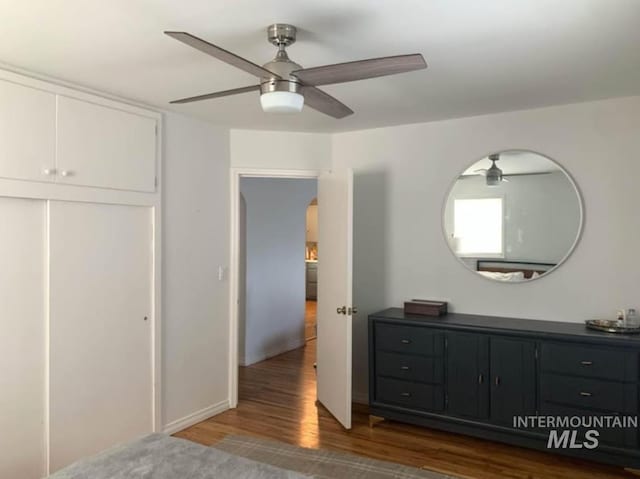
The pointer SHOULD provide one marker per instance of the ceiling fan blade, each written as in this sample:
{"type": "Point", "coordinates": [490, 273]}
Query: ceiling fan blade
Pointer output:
{"type": "Point", "coordinates": [325, 103]}
{"type": "Point", "coordinates": [221, 54]}
{"type": "Point", "coordinates": [360, 70]}
{"type": "Point", "coordinates": [217, 94]}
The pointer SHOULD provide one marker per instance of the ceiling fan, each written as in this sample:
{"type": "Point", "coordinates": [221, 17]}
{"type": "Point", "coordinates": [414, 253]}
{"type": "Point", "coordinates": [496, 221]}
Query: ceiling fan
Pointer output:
{"type": "Point", "coordinates": [285, 86]}
{"type": "Point", "coordinates": [493, 175]}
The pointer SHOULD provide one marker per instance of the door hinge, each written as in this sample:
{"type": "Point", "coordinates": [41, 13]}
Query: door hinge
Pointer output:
{"type": "Point", "coordinates": [156, 128]}
{"type": "Point", "coordinates": [446, 401]}
{"type": "Point", "coordinates": [155, 182]}
{"type": "Point", "coordinates": [446, 343]}
{"type": "Point", "coordinates": [536, 353]}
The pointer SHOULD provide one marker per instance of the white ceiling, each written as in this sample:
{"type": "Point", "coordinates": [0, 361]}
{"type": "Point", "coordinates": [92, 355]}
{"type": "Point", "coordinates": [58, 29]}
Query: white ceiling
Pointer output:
{"type": "Point", "coordinates": [484, 56]}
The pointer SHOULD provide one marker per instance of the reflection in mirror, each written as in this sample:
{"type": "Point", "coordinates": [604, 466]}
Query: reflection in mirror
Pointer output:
{"type": "Point", "coordinates": [513, 216]}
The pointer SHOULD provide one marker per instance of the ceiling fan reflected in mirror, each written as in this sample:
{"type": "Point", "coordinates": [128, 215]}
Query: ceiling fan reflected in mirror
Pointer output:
{"type": "Point", "coordinates": [493, 175]}
{"type": "Point", "coordinates": [285, 87]}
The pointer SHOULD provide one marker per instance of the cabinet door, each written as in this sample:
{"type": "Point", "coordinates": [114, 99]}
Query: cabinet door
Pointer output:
{"type": "Point", "coordinates": [22, 338]}
{"type": "Point", "coordinates": [27, 132]}
{"type": "Point", "coordinates": [101, 320]}
{"type": "Point", "coordinates": [312, 224]}
{"type": "Point", "coordinates": [104, 147]}
{"type": "Point", "coordinates": [467, 375]}
{"type": "Point", "coordinates": [513, 379]}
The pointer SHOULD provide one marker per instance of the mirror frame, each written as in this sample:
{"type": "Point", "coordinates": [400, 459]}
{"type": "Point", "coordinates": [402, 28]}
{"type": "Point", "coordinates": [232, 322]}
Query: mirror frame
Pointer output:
{"type": "Point", "coordinates": [562, 260]}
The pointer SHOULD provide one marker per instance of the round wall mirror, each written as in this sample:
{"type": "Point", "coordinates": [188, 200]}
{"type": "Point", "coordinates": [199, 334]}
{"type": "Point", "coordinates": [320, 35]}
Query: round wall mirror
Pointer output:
{"type": "Point", "coordinates": [513, 216]}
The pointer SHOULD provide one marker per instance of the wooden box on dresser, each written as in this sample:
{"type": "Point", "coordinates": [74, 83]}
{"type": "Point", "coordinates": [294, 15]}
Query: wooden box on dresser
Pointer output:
{"type": "Point", "coordinates": [473, 374]}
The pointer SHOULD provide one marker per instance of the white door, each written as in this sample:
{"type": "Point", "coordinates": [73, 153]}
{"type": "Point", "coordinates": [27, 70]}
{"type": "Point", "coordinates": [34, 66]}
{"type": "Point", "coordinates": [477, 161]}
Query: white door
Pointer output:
{"type": "Point", "coordinates": [22, 338]}
{"type": "Point", "coordinates": [335, 237]}
{"type": "Point", "coordinates": [101, 282]}
{"type": "Point", "coordinates": [105, 147]}
{"type": "Point", "coordinates": [27, 133]}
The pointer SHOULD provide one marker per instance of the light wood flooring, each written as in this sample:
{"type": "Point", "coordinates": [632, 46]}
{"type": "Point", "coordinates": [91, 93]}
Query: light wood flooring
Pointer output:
{"type": "Point", "coordinates": [310, 320]}
{"type": "Point", "coordinates": [277, 401]}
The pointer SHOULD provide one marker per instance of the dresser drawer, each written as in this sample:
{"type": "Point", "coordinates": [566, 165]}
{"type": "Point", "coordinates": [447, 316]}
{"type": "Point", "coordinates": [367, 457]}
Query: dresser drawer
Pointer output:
{"type": "Point", "coordinates": [425, 397]}
{"type": "Point", "coordinates": [611, 436]}
{"type": "Point", "coordinates": [410, 367]}
{"type": "Point", "coordinates": [589, 393]}
{"type": "Point", "coordinates": [408, 339]}
{"type": "Point", "coordinates": [589, 361]}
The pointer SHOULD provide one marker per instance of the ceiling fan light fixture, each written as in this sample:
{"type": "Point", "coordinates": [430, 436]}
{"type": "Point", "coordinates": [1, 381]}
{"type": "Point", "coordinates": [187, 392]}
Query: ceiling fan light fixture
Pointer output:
{"type": "Point", "coordinates": [281, 102]}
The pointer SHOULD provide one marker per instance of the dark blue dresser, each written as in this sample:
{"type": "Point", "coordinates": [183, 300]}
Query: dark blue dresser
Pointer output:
{"type": "Point", "coordinates": [476, 375]}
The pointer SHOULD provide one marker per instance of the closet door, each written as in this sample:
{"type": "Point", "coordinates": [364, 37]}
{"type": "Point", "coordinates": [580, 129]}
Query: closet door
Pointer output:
{"type": "Point", "coordinates": [27, 133]}
{"type": "Point", "coordinates": [101, 327]}
{"type": "Point", "coordinates": [22, 338]}
{"type": "Point", "coordinates": [105, 147]}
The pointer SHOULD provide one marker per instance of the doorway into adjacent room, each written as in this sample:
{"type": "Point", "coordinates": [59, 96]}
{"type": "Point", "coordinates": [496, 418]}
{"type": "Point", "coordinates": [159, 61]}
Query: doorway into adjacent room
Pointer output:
{"type": "Point", "coordinates": [278, 291]}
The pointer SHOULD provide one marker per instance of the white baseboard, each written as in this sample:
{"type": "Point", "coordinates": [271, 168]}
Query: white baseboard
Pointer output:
{"type": "Point", "coordinates": [290, 346]}
{"type": "Point", "coordinates": [196, 417]}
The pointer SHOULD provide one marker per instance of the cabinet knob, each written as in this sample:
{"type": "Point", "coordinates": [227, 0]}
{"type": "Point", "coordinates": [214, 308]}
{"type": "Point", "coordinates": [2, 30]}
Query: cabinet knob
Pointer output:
{"type": "Point", "coordinates": [405, 341]}
{"type": "Point", "coordinates": [342, 310]}
{"type": "Point", "coordinates": [49, 171]}
{"type": "Point", "coordinates": [407, 395]}
{"type": "Point", "coordinates": [404, 368]}
{"type": "Point", "coordinates": [586, 394]}
{"type": "Point", "coordinates": [586, 363]}
{"type": "Point", "coordinates": [66, 173]}
{"type": "Point", "coordinates": [497, 380]}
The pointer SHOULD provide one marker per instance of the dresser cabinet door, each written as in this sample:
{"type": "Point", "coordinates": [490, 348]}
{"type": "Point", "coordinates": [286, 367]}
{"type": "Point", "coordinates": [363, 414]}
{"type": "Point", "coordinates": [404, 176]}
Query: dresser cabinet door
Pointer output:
{"type": "Point", "coordinates": [468, 375]}
{"type": "Point", "coordinates": [27, 133]}
{"type": "Point", "coordinates": [513, 380]}
{"type": "Point", "coordinates": [105, 147]}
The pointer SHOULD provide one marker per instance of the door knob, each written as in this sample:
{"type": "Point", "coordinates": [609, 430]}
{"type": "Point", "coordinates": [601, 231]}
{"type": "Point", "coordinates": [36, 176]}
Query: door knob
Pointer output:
{"type": "Point", "coordinates": [342, 310]}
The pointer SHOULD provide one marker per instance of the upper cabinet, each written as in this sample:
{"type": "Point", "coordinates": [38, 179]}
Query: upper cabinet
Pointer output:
{"type": "Point", "coordinates": [105, 147]}
{"type": "Point", "coordinates": [50, 133]}
{"type": "Point", "coordinates": [27, 133]}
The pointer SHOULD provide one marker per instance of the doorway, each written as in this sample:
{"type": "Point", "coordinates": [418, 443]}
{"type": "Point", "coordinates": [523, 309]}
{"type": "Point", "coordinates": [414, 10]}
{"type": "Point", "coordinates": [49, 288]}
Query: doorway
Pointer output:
{"type": "Point", "coordinates": [311, 271]}
{"type": "Point", "coordinates": [277, 281]}
{"type": "Point", "coordinates": [334, 336]}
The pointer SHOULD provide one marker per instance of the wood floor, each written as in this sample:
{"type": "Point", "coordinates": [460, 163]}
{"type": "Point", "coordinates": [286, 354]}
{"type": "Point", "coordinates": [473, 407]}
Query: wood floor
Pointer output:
{"type": "Point", "coordinates": [277, 401]}
{"type": "Point", "coordinates": [310, 320]}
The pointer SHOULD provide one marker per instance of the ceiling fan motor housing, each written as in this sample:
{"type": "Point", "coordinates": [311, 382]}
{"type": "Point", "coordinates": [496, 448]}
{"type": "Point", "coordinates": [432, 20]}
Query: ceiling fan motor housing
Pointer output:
{"type": "Point", "coordinates": [281, 35]}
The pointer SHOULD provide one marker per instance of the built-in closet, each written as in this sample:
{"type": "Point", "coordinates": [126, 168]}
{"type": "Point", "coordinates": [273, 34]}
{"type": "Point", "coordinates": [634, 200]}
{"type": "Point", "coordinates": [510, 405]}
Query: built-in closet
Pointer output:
{"type": "Point", "coordinates": [79, 274]}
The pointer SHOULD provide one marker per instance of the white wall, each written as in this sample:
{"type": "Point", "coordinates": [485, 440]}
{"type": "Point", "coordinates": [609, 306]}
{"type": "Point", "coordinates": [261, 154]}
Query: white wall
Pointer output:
{"type": "Point", "coordinates": [280, 150]}
{"type": "Point", "coordinates": [402, 176]}
{"type": "Point", "coordinates": [275, 266]}
{"type": "Point", "coordinates": [195, 242]}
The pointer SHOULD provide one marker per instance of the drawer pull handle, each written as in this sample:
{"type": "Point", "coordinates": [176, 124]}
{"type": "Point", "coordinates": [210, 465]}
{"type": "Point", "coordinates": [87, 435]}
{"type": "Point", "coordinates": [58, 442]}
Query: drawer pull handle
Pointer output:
{"type": "Point", "coordinates": [480, 379]}
{"type": "Point", "coordinates": [497, 380]}
{"type": "Point", "coordinates": [405, 368]}
{"type": "Point", "coordinates": [586, 394]}
{"type": "Point", "coordinates": [586, 363]}
{"type": "Point", "coordinates": [405, 341]}
{"type": "Point", "coordinates": [406, 395]}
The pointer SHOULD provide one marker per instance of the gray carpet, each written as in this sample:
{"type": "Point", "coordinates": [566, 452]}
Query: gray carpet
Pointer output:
{"type": "Point", "coordinates": [320, 463]}
{"type": "Point", "coordinates": [162, 457]}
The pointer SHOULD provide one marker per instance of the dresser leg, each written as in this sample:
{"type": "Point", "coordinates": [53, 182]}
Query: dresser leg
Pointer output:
{"type": "Point", "coordinates": [373, 420]}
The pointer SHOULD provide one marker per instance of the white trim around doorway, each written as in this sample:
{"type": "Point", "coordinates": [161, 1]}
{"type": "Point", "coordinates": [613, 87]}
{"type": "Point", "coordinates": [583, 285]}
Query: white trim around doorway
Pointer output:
{"type": "Point", "coordinates": [234, 261]}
